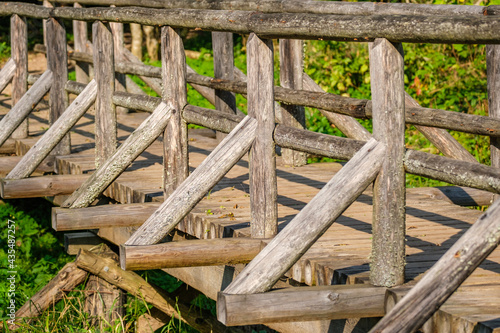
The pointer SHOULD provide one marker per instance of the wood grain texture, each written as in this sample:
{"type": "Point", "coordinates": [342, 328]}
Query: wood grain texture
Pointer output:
{"type": "Point", "coordinates": [136, 47]}
{"type": "Point", "coordinates": [19, 53]}
{"type": "Point", "coordinates": [7, 73]}
{"type": "Point", "coordinates": [23, 107]}
{"type": "Point", "coordinates": [119, 45]}
{"type": "Point", "coordinates": [57, 62]}
{"type": "Point", "coordinates": [445, 276]}
{"type": "Point", "coordinates": [493, 74]}
{"type": "Point", "coordinates": [191, 191]}
{"type": "Point", "coordinates": [301, 304]}
{"type": "Point", "coordinates": [49, 140]}
{"type": "Point", "coordinates": [310, 223]}
{"type": "Point", "coordinates": [36, 187]}
{"type": "Point", "coordinates": [291, 76]}
{"type": "Point", "coordinates": [388, 244]}
{"type": "Point", "coordinates": [263, 188]}
{"type": "Point", "coordinates": [110, 169]}
{"type": "Point", "coordinates": [190, 253]}
{"type": "Point", "coordinates": [105, 118]}
{"type": "Point", "coordinates": [175, 146]}
{"type": "Point", "coordinates": [80, 40]}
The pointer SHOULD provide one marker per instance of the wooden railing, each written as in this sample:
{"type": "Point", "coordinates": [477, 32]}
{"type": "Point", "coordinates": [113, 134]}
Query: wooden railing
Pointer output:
{"type": "Point", "coordinates": [381, 159]}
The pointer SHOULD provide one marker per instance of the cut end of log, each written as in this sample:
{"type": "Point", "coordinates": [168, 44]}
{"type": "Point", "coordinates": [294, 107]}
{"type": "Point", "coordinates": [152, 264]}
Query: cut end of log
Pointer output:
{"type": "Point", "coordinates": [54, 218]}
{"type": "Point", "coordinates": [2, 194]}
{"type": "Point", "coordinates": [123, 257]}
{"type": "Point", "coordinates": [221, 308]}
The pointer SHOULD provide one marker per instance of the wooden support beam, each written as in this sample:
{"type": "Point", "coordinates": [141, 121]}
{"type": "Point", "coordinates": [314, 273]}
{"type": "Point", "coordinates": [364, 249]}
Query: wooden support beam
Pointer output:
{"type": "Point", "coordinates": [222, 44]}
{"type": "Point", "coordinates": [108, 270]}
{"type": "Point", "coordinates": [49, 140]}
{"type": "Point", "coordinates": [189, 253]}
{"type": "Point", "coordinates": [263, 186]}
{"type": "Point", "coordinates": [109, 170]}
{"type": "Point", "coordinates": [75, 241]}
{"type": "Point", "coordinates": [81, 40]}
{"type": "Point", "coordinates": [96, 217]}
{"type": "Point", "coordinates": [57, 62]}
{"type": "Point", "coordinates": [23, 107]}
{"type": "Point", "coordinates": [194, 188]}
{"type": "Point", "coordinates": [301, 304]}
{"type": "Point", "coordinates": [295, 239]}
{"type": "Point", "coordinates": [462, 196]}
{"type": "Point", "coordinates": [19, 53]}
{"type": "Point", "coordinates": [118, 44]}
{"type": "Point", "coordinates": [69, 277]}
{"type": "Point", "coordinates": [36, 187]}
{"type": "Point", "coordinates": [291, 76]}
{"type": "Point", "coordinates": [105, 112]}
{"type": "Point", "coordinates": [447, 274]}
{"type": "Point", "coordinates": [217, 120]}
{"type": "Point", "coordinates": [7, 73]}
{"type": "Point", "coordinates": [493, 75]}
{"type": "Point", "coordinates": [7, 163]}
{"type": "Point", "coordinates": [175, 146]}
{"type": "Point", "coordinates": [388, 242]}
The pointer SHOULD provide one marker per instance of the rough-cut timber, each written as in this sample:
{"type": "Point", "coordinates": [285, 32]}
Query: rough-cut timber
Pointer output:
{"type": "Point", "coordinates": [493, 72]}
{"type": "Point", "coordinates": [19, 53]}
{"type": "Point", "coordinates": [291, 76]}
{"type": "Point", "coordinates": [445, 276]}
{"type": "Point", "coordinates": [57, 63]}
{"type": "Point", "coordinates": [109, 270]}
{"type": "Point", "coordinates": [213, 119]}
{"type": "Point", "coordinates": [7, 73]}
{"type": "Point", "coordinates": [110, 169]}
{"type": "Point", "coordinates": [223, 69]}
{"type": "Point", "coordinates": [80, 40]}
{"type": "Point", "coordinates": [441, 138]}
{"type": "Point", "coordinates": [388, 243]}
{"type": "Point", "coordinates": [36, 187]}
{"type": "Point", "coordinates": [189, 253]}
{"type": "Point", "coordinates": [22, 109]}
{"type": "Point", "coordinates": [263, 187]}
{"type": "Point", "coordinates": [66, 280]}
{"type": "Point", "coordinates": [192, 190]}
{"type": "Point", "coordinates": [105, 112]}
{"type": "Point", "coordinates": [311, 222]}
{"type": "Point", "coordinates": [95, 217]}
{"type": "Point", "coordinates": [118, 44]}
{"type": "Point", "coordinates": [301, 304]}
{"type": "Point", "coordinates": [42, 148]}
{"type": "Point", "coordinates": [175, 144]}
{"type": "Point", "coordinates": [136, 47]}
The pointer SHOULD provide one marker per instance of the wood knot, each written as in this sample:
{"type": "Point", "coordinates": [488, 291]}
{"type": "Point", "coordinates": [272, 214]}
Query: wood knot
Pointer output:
{"type": "Point", "coordinates": [333, 297]}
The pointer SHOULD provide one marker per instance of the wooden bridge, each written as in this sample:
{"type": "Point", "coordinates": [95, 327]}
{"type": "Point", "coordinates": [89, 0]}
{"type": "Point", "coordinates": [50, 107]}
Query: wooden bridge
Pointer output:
{"type": "Point", "coordinates": [299, 248]}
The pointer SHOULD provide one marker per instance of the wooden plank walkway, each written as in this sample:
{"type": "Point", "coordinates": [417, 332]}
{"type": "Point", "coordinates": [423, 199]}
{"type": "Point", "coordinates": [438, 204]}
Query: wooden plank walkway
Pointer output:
{"type": "Point", "coordinates": [341, 255]}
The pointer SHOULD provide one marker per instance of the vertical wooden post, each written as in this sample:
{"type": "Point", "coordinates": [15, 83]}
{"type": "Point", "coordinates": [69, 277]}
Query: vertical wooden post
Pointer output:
{"type": "Point", "coordinates": [136, 31]}
{"type": "Point", "coordinates": [493, 72]}
{"type": "Point", "coordinates": [19, 53]}
{"type": "Point", "coordinates": [388, 244]}
{"type": "Point", "coordinates": [57, 62]}
{"type": "Point", "coordinates": [80, 34]}
{"type": "Point", "coordinates": [105, 113]}
{"type": "Point", "coordinates": [175, 144]}
{"type": "Point", "coordinates": [291, 70]}
{"type": "Point", "coordinates": [263, 187]}
{"type": "Point", "coordinates": [121, 79]}
{"type": "Point", "coordinates": [223, 69]}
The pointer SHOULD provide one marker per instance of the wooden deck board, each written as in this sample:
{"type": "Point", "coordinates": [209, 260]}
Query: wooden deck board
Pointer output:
{"type": "Point", "coordinates": [341, 255]}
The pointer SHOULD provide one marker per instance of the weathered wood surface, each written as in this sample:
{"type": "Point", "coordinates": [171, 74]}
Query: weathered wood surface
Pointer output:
{"type": "Point", "coordinates": [136, 45]}
{"type": "Point", "coordinates": [80, 40]}
{"type": "Point", "coordinates": [191, 191]}
{"type": "Point", "coordinates": [291, 243]}
{"type": "Point", "coordinates": [111, 168]}
{"type": "Point", "coordinates": [7, 73]}
{"type": "Point", "coordinates": [189, 253]}
{"type": "Point", "coordinates": [153, 83]}
{"type": "Point", "coordinates": [301, 304]}
{"type": "Point", "coordinates": [105, 120]}
{"type": "Point", "coordinates": [118, 45]}
{"type": "Point", "coordinates": [40, 186]}
{"type": "Point", "coordinates": [493, 72]}
{"type": "Point", "coordinates": [445, 276]}
{"type": "Point", "coordinates": [24, 106]}
{"type": "Point", "coordinates": [388, 98]}
{"type": "Point", "coordinates": [66, 280]}
{"type": "Point", "coordinates": [108, 270]}
{"type": "Point", "coordinates": [475, 29]}
{"type": "Point", "coordinates": [175, 146]}
{"type": "Point", "coordinates": [291, 76]}
{"type": "Point", "coordinates": [263, 187]}
{"type": "Point", "coordinates": [75, 241]}
{"type": "Point", "coordinates": [7, 163]}
{"type": "Point", "coordinates": [19, 53]}
{"type": "Point", "coordinates": [55, 133]}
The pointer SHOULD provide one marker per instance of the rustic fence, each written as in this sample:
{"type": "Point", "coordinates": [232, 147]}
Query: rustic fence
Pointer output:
{"type": "Point", "coordinates": [380, 158]}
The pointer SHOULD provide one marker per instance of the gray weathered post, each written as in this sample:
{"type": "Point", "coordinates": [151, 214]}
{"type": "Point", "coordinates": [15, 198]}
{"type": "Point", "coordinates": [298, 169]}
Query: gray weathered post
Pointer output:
{"type": "Point", "coordinates": [105, 113]}
{"type": "Point", "coordinates": [291, 76]}
{"type": "Point", "coordinates": [388, 244]}
{"type": "Point", "coordinates": [118, 44]}
{"type": "Point", "coordinates": [80, 38]}
{"type": "Point", "coordinates": [19, 53]}
{"type": "Point", "coordinates": [493, 69]}
{"type": "Point", "coordinates": [263, 187]}
{"type": "Point", "coordinates": [175, 144]}
{"type": "Point", "coordinates": [57, 62]}
{"type": "Point", "coordinates": [223, 69]}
